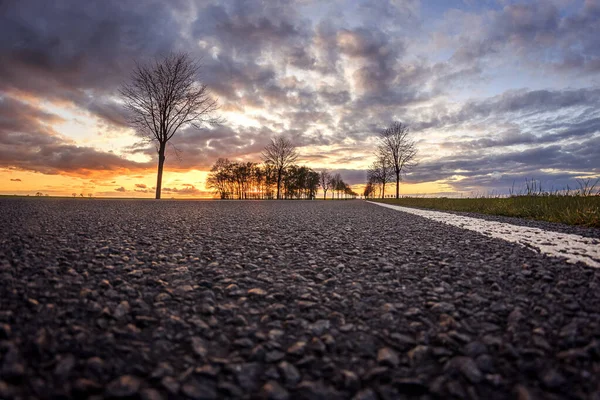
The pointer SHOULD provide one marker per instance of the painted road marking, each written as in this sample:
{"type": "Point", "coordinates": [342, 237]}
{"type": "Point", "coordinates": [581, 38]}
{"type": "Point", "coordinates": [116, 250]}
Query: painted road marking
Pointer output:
{"type": "Point", "coordinates": [566, 245]}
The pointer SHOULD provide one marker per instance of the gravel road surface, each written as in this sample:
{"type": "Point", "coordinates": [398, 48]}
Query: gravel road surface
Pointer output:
{"type": "Point", "coordinates": [574, 248]}
{"type": "Point", "coordinates": [283, 300]}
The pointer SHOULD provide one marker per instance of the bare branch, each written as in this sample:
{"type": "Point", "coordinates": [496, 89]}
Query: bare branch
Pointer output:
{"type": "Point", "coordinates": [280, 153]}
{"type": "Point", "coordinates": [165, 96]}
{"type": "Point", "coordinates": [396, 145]}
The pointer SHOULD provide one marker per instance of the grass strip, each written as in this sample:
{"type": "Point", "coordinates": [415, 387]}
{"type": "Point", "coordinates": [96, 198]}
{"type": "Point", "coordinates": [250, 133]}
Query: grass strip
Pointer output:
{"type": "Point", "coordinates": [571, 210]}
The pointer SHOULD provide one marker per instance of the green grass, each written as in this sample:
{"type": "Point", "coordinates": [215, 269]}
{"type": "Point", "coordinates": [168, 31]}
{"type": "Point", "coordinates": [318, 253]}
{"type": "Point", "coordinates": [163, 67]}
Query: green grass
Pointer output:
{"type": "Point", "coordinates": [566, 209]}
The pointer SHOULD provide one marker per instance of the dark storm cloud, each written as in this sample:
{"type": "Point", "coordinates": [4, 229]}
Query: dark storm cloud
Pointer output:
{"type": "Point", "coordinates": [526, 161]}
{"type": "Point", "coordinates": [68, 159]}
{"type": "Point", "coordinates": [16, 116]}
{"type": "Point", "coordinates": [534, 28]}
{"type": "Point", "coordinates": [28, 143]}
{"type": "Point", "coordinates": [521, 103]}
{"type": "Point", "coordinates": [334, 97]}
{"type": "Point", "coordinates": [108, 110]}
{"type": "Point", "coordinates": [60, 48]}
{"type": "Point", "coordinates": [299, 57]}
{"type": "Point", "coordinates": [494, 170]}
{"type": "Point", "coordinates": [568, 131]}
{"type": "Point", "coordinates": [226, 76]}
{"type": "Point", "coordinates": [249, 26]}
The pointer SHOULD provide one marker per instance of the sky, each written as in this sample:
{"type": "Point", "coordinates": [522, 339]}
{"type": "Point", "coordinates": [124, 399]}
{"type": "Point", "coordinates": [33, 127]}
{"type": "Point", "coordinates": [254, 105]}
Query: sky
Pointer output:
{"type": "Point", "coordinates": [494, 92]}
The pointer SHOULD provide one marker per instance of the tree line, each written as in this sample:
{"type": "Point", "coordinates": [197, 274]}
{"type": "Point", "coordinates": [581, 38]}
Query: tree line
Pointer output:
{"type": "Point", "coordinates": [164, 96]}
{"type": "Point", "coordinates": [277, 177]}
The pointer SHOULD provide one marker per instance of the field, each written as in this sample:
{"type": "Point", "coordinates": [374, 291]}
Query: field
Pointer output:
{"type": "Point", "coordinates": [571, 210]}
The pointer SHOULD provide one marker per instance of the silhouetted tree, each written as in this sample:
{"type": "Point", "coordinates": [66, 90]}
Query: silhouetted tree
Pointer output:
{"type": "Point", "coordinates": [250, 180]}
{"type": "Point", "coordinates": [258, 176]}
{"type": "Point", "coordinates": [312, 184]}
{"type": "Point", "coordinates": [369, 190]}
{"type": "Point", "coordinates": [270, 180]}
{"type": "Point", "coordinates": [165, 96]}
{"type": "Point", "coordinates": [349, 193]}
{"type": "Point", "coordinates": [74, 194]}
{"type": "Point", "coordinates": [334, 181]}
{"type": "Point", "coordinates": [220, 178]}
{"type": "Point", "coordinates": [281, 154]}
{"type": "Point", "coordinates": [396, 145]}
{"type": "Point", "coordinates": [340, 186]}
{"type": "Point", "coordinates": [380, 173]}
{"type": "Point", "coordinates": [324, 177]}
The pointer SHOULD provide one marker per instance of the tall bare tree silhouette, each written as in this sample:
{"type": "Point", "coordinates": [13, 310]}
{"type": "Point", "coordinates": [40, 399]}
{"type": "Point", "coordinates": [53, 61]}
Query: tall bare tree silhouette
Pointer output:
{"type": "Point", "coordinates": [397, 146]}
{"type": "Point", "coordinates": [325, 178]}
{"type": "Point", "coordinates": [280, 153]}
{"type": "Point", "coordinates": [163, 97]}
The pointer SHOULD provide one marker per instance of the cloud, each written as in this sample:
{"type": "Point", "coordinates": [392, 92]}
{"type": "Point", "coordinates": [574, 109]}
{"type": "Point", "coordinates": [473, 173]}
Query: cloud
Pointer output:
{"type": "Point", "coordinates": [561, 164]}
{"type": "Point", "coordinates": [186, 190]}
{"type": "Point", "coordinates": [331, 78]}
{"type": "Point", "coordinates": [142, 188]}
{"type": "Point", "coordinates": [121, 189]}
{"type": "Point", "coordinates": [540, 34]}
{"type": "Point", "coordinates": [351, 176]}
{"type": "Point", "coordinates": [28, 142]}
{"type": "Point", "coordinates": [54, 57]}
{"type": "Point", "coordinates": [15, 180]}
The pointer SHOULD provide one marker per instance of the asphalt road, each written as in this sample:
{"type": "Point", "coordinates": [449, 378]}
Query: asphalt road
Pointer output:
{"type": "Point", "coordinates": [309, 300]}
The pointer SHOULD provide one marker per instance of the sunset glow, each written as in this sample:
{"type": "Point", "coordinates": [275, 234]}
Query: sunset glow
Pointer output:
{"type": "Point", "coordinates": [494, 92]}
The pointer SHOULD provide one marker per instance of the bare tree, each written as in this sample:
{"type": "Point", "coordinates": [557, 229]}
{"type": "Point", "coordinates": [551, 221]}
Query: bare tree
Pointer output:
{"type": "Point", "coordinates": [165, 96]}
{"type": "Point", "coordinates": [396, 145]}
{"type": "Point", "coordinates": [380, 173]}
{"type": "Point", "coordinates": [325, 179]}
{"type": "Point", "coordinates": [369, 189]}
{"type": "Point", "coordinates": [280, 153]}
{"type": "Point", "coordinates": [337, 184]}
{"type": "Point", "coordinates": [334, 183]}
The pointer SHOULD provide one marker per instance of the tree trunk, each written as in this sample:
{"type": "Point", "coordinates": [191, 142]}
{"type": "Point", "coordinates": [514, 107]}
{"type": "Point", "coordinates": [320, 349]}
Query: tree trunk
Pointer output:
{"type": "Point", "coordinates": [278, 183]}
{"type": "Point", "coordinates": [324, 194]}
{"type": "Point", "coordinates": [161, 164]}
{"type": "Point", "coordinates": [397, 184]}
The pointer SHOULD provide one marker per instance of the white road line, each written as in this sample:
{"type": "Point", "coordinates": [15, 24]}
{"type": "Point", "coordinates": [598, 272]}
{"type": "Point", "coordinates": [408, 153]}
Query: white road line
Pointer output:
{"type": "Point", "coordinates": [572, 247]}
